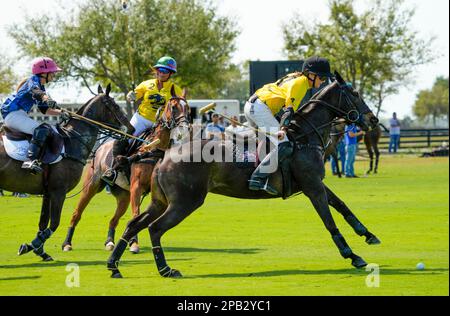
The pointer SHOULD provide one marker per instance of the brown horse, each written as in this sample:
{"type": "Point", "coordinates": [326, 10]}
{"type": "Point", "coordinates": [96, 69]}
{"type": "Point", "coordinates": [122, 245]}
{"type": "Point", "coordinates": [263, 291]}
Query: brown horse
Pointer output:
{"type": "Point", "coordinates": [180, 186]}
{"type": "Point", "coordinates": [58, 179]}
{"type": "Point", "coordinates": [175, 115]}
{"type": "Point", "coordinates": [371, 140]}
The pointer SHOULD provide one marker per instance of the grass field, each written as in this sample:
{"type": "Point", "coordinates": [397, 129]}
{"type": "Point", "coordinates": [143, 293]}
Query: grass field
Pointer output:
{"type": "Point", "coordinates": [238, 247]}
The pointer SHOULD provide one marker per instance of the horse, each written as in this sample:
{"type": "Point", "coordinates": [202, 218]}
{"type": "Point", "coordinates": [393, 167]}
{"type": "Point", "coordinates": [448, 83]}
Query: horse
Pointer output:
{"type": "Point", "coordinates": [175, 115]}
{"type": "Point", "coordinates": [179, 186]}
{"type": "Point", "coordinates": [371, 140]}
{"type": "Point", "coordinates": [79, 137]}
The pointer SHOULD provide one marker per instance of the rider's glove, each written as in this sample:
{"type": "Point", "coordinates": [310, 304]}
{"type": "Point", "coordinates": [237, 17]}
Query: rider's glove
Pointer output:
{"type": "Point", "coordinates": [131, 96]}
{"type": "Point", "coordinates": [287, 117]}
{"type": "Point", "coordinates": [52, 104]}
{"type": "Point", "coordinates": [65, 117]}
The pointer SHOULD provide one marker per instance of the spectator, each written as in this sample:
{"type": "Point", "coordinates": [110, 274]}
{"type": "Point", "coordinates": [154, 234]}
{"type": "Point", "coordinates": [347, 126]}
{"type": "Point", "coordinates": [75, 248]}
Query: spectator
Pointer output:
{"type": "Point", "coordinates": [351, 144]}
{"type": "Point", "coordinates": [233, 127]}
{"type": "Point", "coordinates": [394, 133]}
{"type": "Point", "coordinates": [214, 129]}
{"type": "Point", "coordinates": [340, 151]}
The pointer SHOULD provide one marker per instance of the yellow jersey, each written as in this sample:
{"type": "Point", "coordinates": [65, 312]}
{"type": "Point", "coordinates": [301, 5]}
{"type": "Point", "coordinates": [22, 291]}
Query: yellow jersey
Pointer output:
{"type": "Point", "coordinates": [152, 98]}
{"type": "Point", "coordinates": [288, 91]}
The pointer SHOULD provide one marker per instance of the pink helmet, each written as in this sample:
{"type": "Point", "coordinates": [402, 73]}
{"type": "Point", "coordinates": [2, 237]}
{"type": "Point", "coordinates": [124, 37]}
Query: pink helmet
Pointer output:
{"type": "Point", "coordinates": [44, 65]}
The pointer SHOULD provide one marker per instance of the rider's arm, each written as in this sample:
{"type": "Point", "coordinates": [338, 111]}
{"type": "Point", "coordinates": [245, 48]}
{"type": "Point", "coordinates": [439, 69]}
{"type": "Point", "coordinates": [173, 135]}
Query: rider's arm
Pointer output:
{"type": "Point", "coordinates": [295, 92]}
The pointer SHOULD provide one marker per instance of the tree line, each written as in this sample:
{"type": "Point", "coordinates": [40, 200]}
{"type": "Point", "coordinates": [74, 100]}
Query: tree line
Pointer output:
{"type": "Point", "coordinates": [376, 50]}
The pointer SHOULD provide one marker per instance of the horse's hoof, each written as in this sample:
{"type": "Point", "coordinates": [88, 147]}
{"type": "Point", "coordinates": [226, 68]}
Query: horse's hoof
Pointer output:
{"type": "Point", "coordinates": [46, 258]}
{"type": "Point", "coordinates": [23, 249]}
{"type": "Point", "coordinates": [175, 274]}
{"type": "Point", "coordinates": [358, 262]}
{"type": "Point", "coordinates": [67, 248]}
{"type": "Point", "coordinates": [109, 246]}
{"type": "Point", "coordinates": [373, 240]}
{"type": "Point", "coordinates": [116, 275]}
{"type": "Point", "coordinates": [134, 248]}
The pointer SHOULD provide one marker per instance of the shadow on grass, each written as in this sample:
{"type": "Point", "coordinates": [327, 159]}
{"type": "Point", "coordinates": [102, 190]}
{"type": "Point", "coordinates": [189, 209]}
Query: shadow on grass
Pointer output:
{"type": "Point", "coordinates": [34, 277]}
{"type": "Point", "coordinates": [349, 272]}
{"type": "Point", "coordinates": [242, 251]}
{"type": "Point", "coordinates": [62, 263]}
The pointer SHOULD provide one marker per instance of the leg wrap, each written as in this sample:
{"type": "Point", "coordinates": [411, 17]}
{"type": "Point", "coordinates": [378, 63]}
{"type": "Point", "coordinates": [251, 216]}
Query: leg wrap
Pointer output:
{"type": "Point", "coordinates": [41, 238]}
{"type": "Point", "coordinates": [342, 245]}
{"type": "Point", "coordinates": [358, 227]}
{"type": "Point", "coordinates": [160, 260]}
{"type": "Point", "coordinates": [113, 261]}
{"type": "Point", "coordinates": [70, 233]}
{"type": "Point", "coordinates": [111, 234]}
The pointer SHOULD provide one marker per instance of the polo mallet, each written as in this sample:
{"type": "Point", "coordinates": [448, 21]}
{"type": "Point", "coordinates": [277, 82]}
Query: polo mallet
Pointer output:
{"type": "Point", "coordinates": [147, 147]}
{"type": "Point", "coordinates": [212, 106]}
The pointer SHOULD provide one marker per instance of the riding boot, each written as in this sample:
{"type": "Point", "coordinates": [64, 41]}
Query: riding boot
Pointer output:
{"type": "Point", "coordinates": [36, 149]}
{"type": "Point", "coordinates": [260, 179]}
{"type": "Point", "coordinates": [119, 149]}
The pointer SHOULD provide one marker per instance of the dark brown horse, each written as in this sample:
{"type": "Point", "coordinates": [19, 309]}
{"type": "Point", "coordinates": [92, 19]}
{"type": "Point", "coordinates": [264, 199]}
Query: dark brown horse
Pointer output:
{"type": "Point", "coordinates": [175, 115]}
{"type": "Point", "coordinates": [58, 179]}
{"type": "Point", "coordinates": [180, 186]}
{"type": "Point", "coordinates": [371, 140]}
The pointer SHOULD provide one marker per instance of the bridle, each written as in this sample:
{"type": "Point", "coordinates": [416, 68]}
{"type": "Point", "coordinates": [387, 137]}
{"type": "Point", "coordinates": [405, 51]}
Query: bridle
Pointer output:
{"type": "Point", "coordinates": [173, 122]}
{"type": "Point", "coordinates": [352, 116]}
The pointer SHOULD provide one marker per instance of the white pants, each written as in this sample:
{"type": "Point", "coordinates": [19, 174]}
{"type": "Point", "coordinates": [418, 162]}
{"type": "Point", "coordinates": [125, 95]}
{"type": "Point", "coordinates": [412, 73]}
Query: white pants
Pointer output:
{"type": "Point", "coordinates": [140, 124]}
{"type": "Point", "coordinates": [258, 114]}
{"type": "Point", "coordinates": [20, 121]}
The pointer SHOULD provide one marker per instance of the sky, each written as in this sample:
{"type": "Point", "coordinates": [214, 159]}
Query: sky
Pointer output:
{"type": "Point", "coordinates": [260, 23]}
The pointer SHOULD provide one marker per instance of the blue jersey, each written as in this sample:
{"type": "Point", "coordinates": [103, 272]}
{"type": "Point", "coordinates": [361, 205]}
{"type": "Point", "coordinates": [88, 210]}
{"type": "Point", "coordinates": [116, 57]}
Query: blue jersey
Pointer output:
{"type": "Point", "coordinates": [25, 99]}
{"type": "Point", "coordinates": [348, 139]}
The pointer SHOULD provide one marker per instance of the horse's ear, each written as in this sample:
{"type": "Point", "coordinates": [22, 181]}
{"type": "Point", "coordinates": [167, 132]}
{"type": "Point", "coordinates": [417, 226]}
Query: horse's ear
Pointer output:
{"type": "Point", "coordinates": [172, 91]}
{"type": "Point", "coordinates": [339, 78]}
{"type": "Point", "coordinates": [100, 89]}
{"type": "Point", "coordinates": [184, 93]}
{"type": "Point", "coordinates": [108, 89]}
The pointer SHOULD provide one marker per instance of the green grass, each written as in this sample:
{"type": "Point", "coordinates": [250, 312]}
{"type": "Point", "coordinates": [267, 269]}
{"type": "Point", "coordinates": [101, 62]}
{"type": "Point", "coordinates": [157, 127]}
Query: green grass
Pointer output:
{"type": "Point", "coordinates": [239, 247]}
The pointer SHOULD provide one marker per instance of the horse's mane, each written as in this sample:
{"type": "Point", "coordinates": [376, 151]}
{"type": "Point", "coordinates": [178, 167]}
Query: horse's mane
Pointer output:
{"type": "Point", "coordinates": [81, 110]}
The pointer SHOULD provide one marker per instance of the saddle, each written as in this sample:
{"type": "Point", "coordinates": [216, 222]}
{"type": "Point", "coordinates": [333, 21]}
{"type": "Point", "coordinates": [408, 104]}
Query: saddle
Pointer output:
{"type": "Point", "coordinates": [16, 145]}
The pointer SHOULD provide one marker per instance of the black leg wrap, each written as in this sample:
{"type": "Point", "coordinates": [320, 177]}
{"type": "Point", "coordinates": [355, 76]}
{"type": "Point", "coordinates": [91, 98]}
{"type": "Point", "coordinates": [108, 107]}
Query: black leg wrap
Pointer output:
{"type": "Point", "coordinates": [111, 234]}
{"type": "Point", "coordinates": [69, 236]}
{"type": "Point", "coordinates": [113, 261]}
{"type": "Point", "coordinates": [133, 240]}
{"type": "Point", "coordinates": [342, 245]}
{"type": "Point", "coordinates": [357, 226]}
{"type": "Point", "coordinates": [41, 238]}
{"type": "Point", "coordinates": [160, 260]}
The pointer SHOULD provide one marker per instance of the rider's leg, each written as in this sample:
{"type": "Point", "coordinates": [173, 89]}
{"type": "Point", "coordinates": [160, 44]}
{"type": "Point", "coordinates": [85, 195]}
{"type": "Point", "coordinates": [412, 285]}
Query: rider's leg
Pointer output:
{"type": "Point", "coordinates": [36, 149]}
{"type": "Point", "coordinates": [259, 114]}
{"type": "Point", "coordinates": [140, 124]}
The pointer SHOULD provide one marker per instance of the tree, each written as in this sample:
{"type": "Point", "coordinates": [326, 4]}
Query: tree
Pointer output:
{"type": "Point", "coordinates": [102, 42]}
{"type": "Point", "coordinates": [376, 50]}
{"type": "Point", "coordinates": [7, 77]}
{"type": "Point", "coordinates": [237, 85]}
{"type": "Point", "coordinates": [433, 103]}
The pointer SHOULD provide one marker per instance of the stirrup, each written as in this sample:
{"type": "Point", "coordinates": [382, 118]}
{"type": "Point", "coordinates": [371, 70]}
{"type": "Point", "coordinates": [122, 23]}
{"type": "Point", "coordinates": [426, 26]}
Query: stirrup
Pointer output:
{"type": "Point", "coordinates": [257, 185]}
{"type": "Point", "coordinates": [110, 177]}
{"type": "Point", "coordinates": [34, 166]}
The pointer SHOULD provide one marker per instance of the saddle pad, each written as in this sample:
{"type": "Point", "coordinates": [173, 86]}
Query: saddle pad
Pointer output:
{"type": "Point", "coordinates": [122, 180]}
{"type": "Point", "coordinates": [18, 150]}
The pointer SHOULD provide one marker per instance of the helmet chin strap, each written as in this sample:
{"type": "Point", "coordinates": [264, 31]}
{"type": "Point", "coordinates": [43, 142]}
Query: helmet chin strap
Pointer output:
{"type": "Point", "coordinates": [313, 81]}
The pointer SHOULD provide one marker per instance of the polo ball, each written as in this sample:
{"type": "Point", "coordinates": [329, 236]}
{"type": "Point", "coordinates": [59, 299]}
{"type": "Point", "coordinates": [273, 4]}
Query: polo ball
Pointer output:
{"type": "Point", "coordinates": [420, 266]}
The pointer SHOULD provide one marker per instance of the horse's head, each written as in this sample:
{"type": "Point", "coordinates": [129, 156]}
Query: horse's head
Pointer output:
{"type": "Point", "coordinates": [176, 116]}
{"type": "Point", "coordinates": [104, 109]}
{"type": "Point", "coordinates": [352, 106]}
